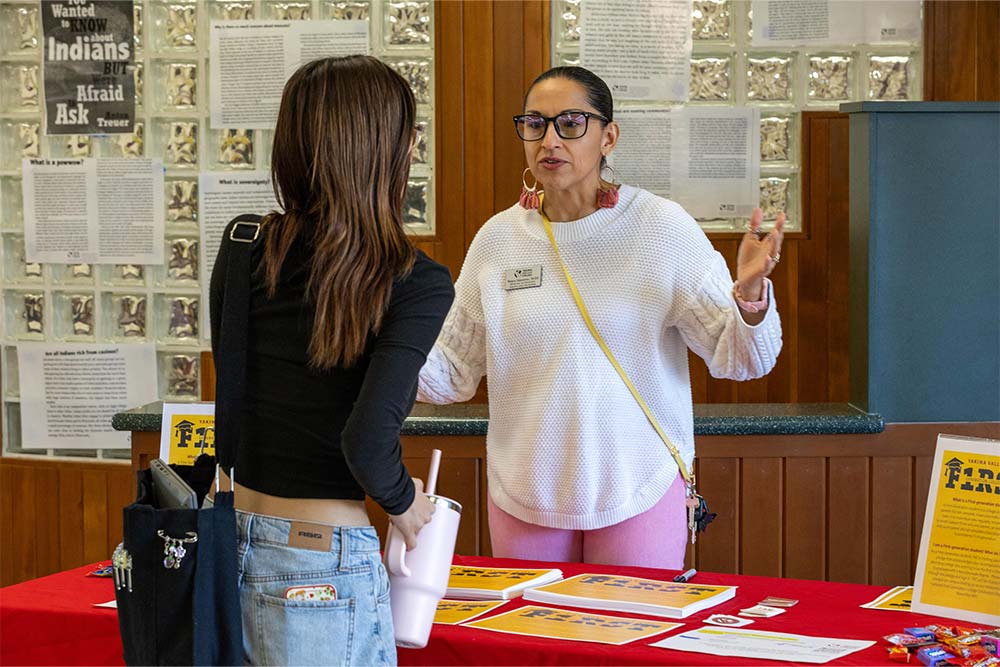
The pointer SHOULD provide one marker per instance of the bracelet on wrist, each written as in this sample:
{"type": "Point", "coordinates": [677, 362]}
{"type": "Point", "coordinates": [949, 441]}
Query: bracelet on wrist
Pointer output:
{"type": "Point", "coordinates": [752, 306]}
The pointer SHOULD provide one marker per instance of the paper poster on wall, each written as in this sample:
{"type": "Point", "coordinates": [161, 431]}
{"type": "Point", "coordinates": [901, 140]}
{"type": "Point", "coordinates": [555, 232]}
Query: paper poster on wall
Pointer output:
{"type": "Point", "coordinates": [641, 48]}
{"type": "Point", "coordinates": [88, 66]}
{"type": "Point", "coordinates": [958, 566]}
{"type": "Point", "coordinates": [187, 431]}
{"type": "Point", "coordinates": [249, 62]}
{"type": "Point", "coordinates": [223, 196]}
{"type": "Point", "coordinates": [834, 22]}
{"type": "Point", "coordinates": [70, 392]}
{"type": "Point", "coordinates": [707, 159]}
{"type": "Point", "coordinates": [93, 210]}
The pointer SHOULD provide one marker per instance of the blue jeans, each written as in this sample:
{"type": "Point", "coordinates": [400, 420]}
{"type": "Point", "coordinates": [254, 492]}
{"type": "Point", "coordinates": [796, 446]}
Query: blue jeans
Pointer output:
{"type": "Point", "coordinates": [354, 629]}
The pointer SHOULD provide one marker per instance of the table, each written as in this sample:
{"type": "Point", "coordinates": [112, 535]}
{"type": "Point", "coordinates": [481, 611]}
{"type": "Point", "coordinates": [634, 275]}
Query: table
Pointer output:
{"type": "Point", "coordinates": [52, 620]}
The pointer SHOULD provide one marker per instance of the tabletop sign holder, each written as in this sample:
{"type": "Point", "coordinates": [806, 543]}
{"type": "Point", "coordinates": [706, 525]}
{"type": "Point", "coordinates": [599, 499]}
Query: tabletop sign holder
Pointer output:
{"type": "Point", "coordinates": [960, 542]}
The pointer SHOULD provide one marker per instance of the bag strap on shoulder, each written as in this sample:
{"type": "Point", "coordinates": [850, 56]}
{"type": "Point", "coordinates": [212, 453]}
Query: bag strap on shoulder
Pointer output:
{"type": "Point", "coordinates": [230, 384]}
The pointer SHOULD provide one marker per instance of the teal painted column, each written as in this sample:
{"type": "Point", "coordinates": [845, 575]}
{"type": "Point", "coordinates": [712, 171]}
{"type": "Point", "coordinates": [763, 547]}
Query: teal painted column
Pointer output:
{"type": "Point", "coordinates": [925, 260]}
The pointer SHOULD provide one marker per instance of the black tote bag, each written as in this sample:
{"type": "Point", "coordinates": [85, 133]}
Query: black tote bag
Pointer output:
{"type": "Point", "coordinates": [176, 570]}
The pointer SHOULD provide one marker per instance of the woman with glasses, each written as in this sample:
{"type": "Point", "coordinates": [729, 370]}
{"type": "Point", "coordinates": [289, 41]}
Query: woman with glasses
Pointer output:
{"type": "Point", "coordinates": [576, 470]}
{"type": "Point", "coordinates": [343, 310]}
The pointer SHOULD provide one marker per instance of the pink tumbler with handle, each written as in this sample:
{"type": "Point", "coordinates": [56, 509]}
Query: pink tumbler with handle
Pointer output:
{"type": "Point", "coordinates": [418, 578]}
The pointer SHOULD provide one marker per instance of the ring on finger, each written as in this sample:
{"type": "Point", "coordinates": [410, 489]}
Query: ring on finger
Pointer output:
{"type": "Point", "coordinates": [776, 257]}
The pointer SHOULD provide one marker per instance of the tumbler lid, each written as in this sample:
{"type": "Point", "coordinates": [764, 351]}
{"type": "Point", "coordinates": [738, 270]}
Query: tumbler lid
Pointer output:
{"type": "Point", "coordinates": [445, 502]}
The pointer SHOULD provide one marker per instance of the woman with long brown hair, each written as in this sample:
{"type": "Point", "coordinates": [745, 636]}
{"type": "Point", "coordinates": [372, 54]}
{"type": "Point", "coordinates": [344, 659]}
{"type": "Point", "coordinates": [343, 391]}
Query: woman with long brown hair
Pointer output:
{"type": "Point", "coordinates": [343, 310]}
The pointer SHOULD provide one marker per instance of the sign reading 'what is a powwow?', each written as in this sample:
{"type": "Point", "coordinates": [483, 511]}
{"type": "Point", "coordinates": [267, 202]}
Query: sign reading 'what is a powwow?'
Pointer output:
{"type": "Point", "coordinates": [89, 63]}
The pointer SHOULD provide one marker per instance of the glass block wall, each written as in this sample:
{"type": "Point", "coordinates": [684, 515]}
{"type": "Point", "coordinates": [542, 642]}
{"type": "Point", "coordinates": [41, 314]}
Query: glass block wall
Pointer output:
{"type": "Point", "coordinates": [160, 304]}
{"type": "Point", "coordinates": [726, 70]}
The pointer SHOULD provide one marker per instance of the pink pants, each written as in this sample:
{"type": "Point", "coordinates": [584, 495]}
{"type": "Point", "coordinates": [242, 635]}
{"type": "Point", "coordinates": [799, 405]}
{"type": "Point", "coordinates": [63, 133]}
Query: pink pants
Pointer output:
{"type": "Point", "coordinates": [655, 538]}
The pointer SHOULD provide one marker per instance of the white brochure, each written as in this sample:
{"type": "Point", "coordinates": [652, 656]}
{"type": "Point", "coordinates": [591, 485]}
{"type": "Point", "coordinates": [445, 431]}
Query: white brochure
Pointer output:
{"type": "Point", "coordinates": [762, 645]}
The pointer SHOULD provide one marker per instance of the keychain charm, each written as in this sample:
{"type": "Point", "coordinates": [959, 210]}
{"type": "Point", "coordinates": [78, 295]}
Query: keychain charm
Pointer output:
{"type": "Point", "coordinates": [691, 502]}
{"type": "Point", "coordinates": [173, 548]}
{"type": "Point", "coordinates": [121, 564]}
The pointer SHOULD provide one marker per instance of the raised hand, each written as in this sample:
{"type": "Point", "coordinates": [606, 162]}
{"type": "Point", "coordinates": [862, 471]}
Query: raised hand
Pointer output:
{"type": "Point", "coordinates": [758, 254]}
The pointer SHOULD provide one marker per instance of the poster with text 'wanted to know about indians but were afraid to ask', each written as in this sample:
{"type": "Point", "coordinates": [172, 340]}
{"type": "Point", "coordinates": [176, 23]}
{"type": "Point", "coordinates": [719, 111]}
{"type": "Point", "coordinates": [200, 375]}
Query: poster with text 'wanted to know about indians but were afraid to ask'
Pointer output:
{"type": "Point", "coordinates": [89, 61]}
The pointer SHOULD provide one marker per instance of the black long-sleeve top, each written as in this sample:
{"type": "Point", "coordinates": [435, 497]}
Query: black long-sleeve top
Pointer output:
{"type": "Point", "coordinates": [334, 433]}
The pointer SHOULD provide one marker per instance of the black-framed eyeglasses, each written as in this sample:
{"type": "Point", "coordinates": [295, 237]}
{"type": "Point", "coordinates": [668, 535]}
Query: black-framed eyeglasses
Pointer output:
{"type": "Point", "coordinates": [569, 124]}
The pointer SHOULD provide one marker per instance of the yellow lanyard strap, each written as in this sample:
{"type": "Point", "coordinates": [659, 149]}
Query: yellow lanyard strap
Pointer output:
{"type": "Point", "coordinates": [688, 477]}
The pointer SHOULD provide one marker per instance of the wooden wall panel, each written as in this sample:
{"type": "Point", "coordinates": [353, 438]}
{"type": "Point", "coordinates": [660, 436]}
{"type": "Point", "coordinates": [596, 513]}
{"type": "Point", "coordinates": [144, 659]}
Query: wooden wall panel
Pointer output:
{"type": "Point", "coordinates": [848, 525]}
{"type": "Point", "coordinates": [805, 518]}
{"type": "Point", "coordinates": [962, 50]}
{"type": "Point", "coordinates": [988, 56]}
{"type": "Point", "coordinates": [70, 494]}
{"type": "Point", "coordinates": [479, 121]}
{"type": "Point", "coordinates": [95, 515]}
{"type": "Point", "coordinates": [46, 535]}
{"type": "Point", "coordinates": [450, 63]}
{"type": "Point", "coordinates": [892, 477]}
{"type": "Point", "coordinates": [508, 85]}
{"type": "Point", "coordinates": [7, 535]}
{"type": "Point", "coordinates": [55, 515]}
{"type": "Point", "coordinates": [719, 547]}
{"type": "Point", "coordinates": [22, 551]}
{"type": "Point", "coordinates": [761, 517]}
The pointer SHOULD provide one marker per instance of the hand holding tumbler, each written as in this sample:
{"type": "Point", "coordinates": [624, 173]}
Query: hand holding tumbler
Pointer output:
{"type": "Point", "coordinates": [418, 578]}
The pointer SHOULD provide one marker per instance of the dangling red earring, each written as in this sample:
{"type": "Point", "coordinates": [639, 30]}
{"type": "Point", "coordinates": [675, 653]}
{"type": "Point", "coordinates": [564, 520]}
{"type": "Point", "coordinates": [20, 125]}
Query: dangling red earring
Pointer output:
{"type": "Point", "coordinates": [529, 196]}
{"type": "Point", "coordinates": [607, 197]}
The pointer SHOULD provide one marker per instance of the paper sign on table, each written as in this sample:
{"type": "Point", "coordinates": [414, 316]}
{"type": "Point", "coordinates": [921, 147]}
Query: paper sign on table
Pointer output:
{"type": "Point", "coordinates": [632, 594]}
{"type": "Point", "coordinates": [894, 599]}
{"type": "Point", "coordinates": [959, 554]}
{"type": "Point", "coordinates": [761, 611]}
{"type": "Point", "coordinates": [495, 583]}
{"type": "Point", "coordinates": [187, 431]}
{"type": "Point", "coordinates": [577, 626]}
{"type": "Point", "coordinates": [762, 645]}
{"type": "Point", "coordinates": [453, 612]}
{"type": "Point", "coordinates": [728, 621]}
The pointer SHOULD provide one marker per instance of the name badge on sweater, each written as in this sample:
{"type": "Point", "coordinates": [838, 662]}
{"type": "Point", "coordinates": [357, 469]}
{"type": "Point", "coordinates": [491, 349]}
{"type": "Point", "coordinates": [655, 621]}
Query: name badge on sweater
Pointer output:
{"type": "Point", "coordinates": [529, 276]}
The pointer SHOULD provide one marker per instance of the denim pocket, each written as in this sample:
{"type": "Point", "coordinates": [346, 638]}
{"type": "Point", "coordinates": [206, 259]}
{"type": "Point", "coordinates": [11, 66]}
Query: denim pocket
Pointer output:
{"type": "Point", "coordinates": [381, 584]}
{"type": "Point", "coordinates": [304, 632]}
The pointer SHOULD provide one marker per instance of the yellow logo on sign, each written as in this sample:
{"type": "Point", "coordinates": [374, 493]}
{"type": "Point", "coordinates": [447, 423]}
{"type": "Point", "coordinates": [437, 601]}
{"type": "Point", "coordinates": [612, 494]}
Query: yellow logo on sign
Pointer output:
{"type": "Point", "coordinates": [190, 437]}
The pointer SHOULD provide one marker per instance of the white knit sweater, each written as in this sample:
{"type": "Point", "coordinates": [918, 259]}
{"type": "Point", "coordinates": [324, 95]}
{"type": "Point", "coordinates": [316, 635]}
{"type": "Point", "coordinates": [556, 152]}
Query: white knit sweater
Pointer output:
{"type": "Point", "coordinates": [568, 447]}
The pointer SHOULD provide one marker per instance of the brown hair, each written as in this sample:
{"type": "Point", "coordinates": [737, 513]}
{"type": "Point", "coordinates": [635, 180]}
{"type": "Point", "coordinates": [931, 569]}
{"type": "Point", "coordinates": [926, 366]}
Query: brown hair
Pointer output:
{"type": "Point", "coordinates": [340, 165]}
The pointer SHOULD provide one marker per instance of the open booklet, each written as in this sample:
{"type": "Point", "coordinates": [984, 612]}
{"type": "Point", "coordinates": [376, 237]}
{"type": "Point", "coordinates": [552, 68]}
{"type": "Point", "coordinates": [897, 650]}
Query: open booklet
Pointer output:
{"type": "Point", "coordinates": [631, 594]}
{"type": "Point", "coordinates": [495, 583]}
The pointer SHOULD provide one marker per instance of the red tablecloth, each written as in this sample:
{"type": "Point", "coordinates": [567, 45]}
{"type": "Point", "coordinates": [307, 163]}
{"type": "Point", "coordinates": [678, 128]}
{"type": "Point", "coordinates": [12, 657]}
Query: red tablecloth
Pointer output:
{"type": "Point", "coordinates": [52, 621]}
